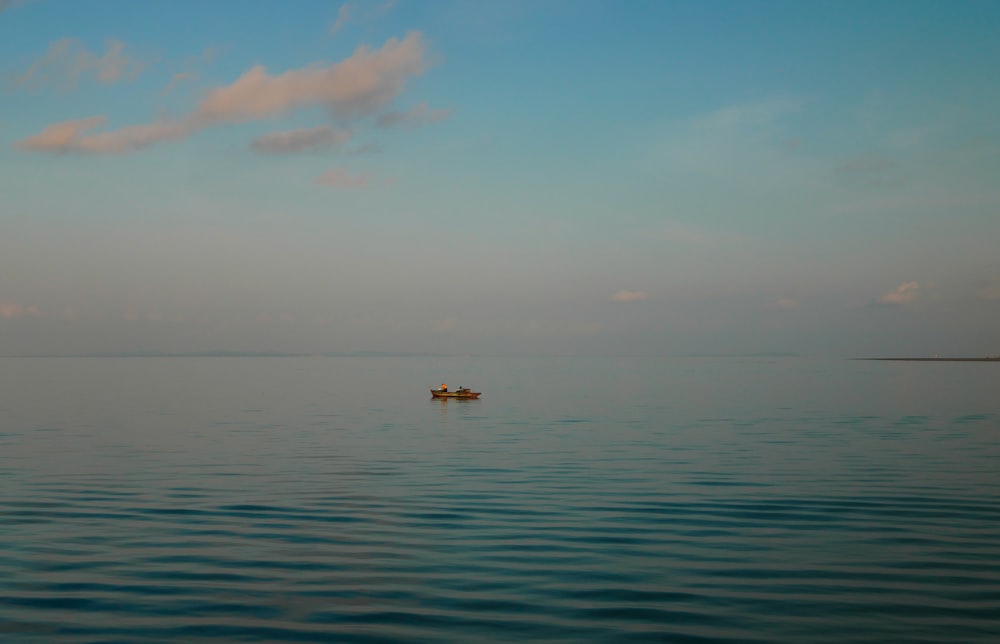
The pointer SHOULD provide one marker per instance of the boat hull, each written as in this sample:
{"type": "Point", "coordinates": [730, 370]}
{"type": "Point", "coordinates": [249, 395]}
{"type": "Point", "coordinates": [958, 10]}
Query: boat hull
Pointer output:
{"type": "Point", "coordinates": [467, 395]}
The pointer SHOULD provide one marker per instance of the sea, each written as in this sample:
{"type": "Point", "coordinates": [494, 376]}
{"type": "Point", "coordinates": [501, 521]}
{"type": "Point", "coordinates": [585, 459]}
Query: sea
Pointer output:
{"type": "Point", "coordinates": [581, 499]}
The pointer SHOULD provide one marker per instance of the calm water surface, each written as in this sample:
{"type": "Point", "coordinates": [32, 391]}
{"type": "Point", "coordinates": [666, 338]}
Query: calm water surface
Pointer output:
{"type": "Point", "coordinates": [581, 499]}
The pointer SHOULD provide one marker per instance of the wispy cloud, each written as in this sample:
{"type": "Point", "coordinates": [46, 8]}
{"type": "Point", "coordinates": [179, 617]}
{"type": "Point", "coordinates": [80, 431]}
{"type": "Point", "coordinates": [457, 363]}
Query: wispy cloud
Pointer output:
{"type": "Point", "coordinates": [358, 86]}
{"type": "Point", "coordinates": [367, 148]}
{"type": "Point", "coordinates": [864, 165]}
{"type": "Point", "coordinates": [744, 145]}
{"type": "Point", "coordinates": [681, 233]}
{"type": "Point", "coordinates": [341, 178]}
{"type": "Point", "coordinates": [415, 117]}
{"type": "Point", "coordinates": [904, 294]}
{"type": "Point", "coordinates": [748, 115]}
{"type": "Point", "coordinates": [177, 79]}
{"type": "Point", "coordinates": [630, 296]}
{"type": "Point", "coordinates": [870, 170]}
{"type": "Point", "coordinates": [189, 69]}
{"type": "Point", "coordinates": [304, 140]}
{"type": "Point", "coordinates": [350, 12]}
{"type": "Point", "coordinates": [67, 61]}
{"type": "Point", "coordinates": [343, 16]}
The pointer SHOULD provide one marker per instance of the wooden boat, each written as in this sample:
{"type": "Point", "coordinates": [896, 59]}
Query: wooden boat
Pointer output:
{"type": "Point", "coordinates": [461, 392]}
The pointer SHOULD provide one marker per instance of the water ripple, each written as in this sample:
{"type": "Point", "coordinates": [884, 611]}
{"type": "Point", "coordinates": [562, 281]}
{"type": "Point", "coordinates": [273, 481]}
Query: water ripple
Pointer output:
{"type": "Point", "coordinates": [464, 523]}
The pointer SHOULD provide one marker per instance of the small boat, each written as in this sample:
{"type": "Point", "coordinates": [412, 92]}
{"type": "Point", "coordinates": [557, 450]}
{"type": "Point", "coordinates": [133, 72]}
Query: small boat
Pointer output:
{"type": "Point", "coordinates": [461, 392]}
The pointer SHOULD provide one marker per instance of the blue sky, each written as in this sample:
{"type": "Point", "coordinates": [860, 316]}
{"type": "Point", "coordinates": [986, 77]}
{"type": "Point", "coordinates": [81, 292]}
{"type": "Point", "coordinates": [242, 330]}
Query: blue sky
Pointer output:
{"type": "Point", "coordinates": [518, 177]}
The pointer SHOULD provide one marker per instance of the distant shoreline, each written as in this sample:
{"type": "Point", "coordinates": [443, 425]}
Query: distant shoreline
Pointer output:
{"type": "Point", "coordinates": [392, 354]}
{"type": "Point", "coordinates": [235, 354]}
{"type": "Point", "coordinates": [989, 359]}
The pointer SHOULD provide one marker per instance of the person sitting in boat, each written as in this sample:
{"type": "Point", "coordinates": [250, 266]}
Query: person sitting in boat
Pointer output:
{"type": "Point", "coordinates": [444, 387]}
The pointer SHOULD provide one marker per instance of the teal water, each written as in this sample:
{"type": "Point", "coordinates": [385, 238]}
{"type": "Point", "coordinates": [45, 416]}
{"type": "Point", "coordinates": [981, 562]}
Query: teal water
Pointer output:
{"type": "Point", "coordinates": [580, 500]}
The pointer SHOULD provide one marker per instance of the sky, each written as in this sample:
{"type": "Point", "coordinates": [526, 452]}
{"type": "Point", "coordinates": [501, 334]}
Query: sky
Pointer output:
{"type": "Point", "coordinates": [536, 177]}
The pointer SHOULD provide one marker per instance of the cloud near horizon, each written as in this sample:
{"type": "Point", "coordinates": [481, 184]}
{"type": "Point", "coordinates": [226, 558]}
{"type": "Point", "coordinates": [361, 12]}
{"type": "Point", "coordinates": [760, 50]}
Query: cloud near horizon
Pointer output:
{"type": "Point", "coordinates": [446, 325]}
{"type": "Point", "coordinates": [787, 303]}
{"type": "Point", "coordinates": [990, 293]}
{"type": "Point", "coordinates": [10, 310]}
{"type": "Point", "coordinates": [863, 165]}
{"type": "Point", "coordinates": [630, 296]}
{"type": "Point", "coordinates": [356, 87]}
{"type": "Point", "coordinates": [904, 294]}
{"type": "Point", "coordinates": [341, 178]}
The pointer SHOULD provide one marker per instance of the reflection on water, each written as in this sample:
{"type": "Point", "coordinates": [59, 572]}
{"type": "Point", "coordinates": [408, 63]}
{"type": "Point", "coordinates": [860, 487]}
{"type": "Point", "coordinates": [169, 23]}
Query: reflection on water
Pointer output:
{"type": "Point", "coordinates": [582, 500]}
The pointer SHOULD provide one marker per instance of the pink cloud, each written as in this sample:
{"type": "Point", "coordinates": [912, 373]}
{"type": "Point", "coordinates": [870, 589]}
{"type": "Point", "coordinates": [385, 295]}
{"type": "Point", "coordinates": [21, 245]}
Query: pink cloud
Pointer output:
{"type": "Point", "coordinates": [136, 137]}
{"type": "Point", "coordinates": [444, 326]}
{"type": "Point", "coordinates": [359, 85]}
{"type": "Point", "coordinates": [990, 293]}
{"type": "Point", "coordinates": [60, 136]}
{"type": "Point", "coordinates": [630, 296]}
{"type": "Point", "coordinates": [415, 117]}
{"type": "Point", "coordinates": [341, 178]}
{"type": "Point", "coordinates": [904, 293]}
{"type": "Point", "coordinates": [9, 310]}
{"type": "Point", "coordinates": [302, 140]}
{"type": "Point", "coordinates": [787, 303]}
{"type": "Point", "coordinates": [68, 136]}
